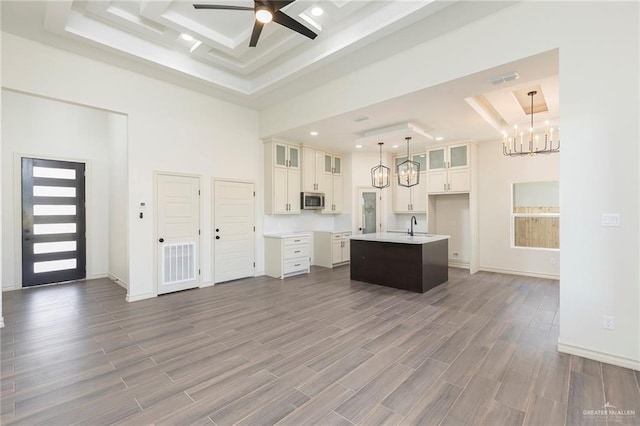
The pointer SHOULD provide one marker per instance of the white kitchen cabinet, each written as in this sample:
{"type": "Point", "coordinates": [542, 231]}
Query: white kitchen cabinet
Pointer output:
{"type": "Point", "coordinates": [331, 248]}
{"type": "Point", "coordinates": [282, 178]}
{"type": "Point", "coordinates": [313, 170]}
{"type": "Point", "coordinates": [287, 254]}
{"type": "Point", "coordinates": [448, 169]}
{"type": "Point", "coordinates": [413, 199]}
{"type": "Point", "coordinates": [334, 187]}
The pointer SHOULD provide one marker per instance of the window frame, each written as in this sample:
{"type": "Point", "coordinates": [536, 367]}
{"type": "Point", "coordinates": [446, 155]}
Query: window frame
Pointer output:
{"type": "Point", "coordinates": [513, 216]}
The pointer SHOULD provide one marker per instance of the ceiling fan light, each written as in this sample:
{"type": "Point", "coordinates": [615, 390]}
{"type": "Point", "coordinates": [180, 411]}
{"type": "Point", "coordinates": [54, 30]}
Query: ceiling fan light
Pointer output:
{"type": "Point", "coordinates": [263, 14]}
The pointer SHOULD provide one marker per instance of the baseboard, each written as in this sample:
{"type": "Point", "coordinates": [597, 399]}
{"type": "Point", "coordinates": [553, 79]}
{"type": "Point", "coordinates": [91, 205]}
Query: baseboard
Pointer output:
{"type": "Point", "coordinates": [458, 264]}
{"type": "Point", "coordinates": [566, 348]}
{"type": "Point", "coordinates": [140, 297]}
{"type": "Point", "coordinates": [122, 283]}
{"type": "Point", "coordinates": [10, 288]}
{"type": "Point", "coordinates": [521, 273]}
{"type": "Point", "coordinates": [96, 277]}
{"type": "Point", "coordinates": [209, 284]}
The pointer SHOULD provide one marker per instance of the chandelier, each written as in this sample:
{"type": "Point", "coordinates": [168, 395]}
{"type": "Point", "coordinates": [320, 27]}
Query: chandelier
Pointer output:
{"type": "Point", "coordinates": [380, 175]}
{"type": "Point", "coordinates": [512, 147]}
{"type": "Point", "coordinates": [408, 171]}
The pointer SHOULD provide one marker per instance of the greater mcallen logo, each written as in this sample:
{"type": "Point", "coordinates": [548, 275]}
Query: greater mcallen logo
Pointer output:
{"type": "Point", "coordinates": [609, 410]}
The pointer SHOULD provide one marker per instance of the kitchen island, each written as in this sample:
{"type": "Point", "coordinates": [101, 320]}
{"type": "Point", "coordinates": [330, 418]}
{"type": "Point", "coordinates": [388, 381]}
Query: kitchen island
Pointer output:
{"type": "Point", "coordinates": [416, 263]}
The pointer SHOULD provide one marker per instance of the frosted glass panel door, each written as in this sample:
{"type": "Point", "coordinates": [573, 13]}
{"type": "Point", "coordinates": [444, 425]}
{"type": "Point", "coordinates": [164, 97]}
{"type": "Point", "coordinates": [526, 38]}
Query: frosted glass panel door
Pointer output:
{"type": "Point", "coordinates": [53, 221]}
{"type": "Point", "coordinates": [369, 213]}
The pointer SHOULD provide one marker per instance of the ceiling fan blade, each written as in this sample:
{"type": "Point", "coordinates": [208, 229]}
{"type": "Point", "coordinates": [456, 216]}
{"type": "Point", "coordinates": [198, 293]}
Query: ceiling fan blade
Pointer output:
{"type": "Point", "coordinates": [220, 7]}
{"type": "Point", "coordinates": [287, 21]}
{"type": "Point", "coordinates": [257, 29]}
{"type": "Point", "coordinates": [279, 4]}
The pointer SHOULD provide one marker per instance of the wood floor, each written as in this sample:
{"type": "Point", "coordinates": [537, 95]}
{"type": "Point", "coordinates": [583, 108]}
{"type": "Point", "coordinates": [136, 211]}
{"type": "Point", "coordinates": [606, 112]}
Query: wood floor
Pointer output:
{"type": "Point", "coordinates": [314, 349]}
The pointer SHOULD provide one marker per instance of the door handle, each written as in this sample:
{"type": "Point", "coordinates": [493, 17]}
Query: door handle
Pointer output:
{"type": "Point", "coordinates": [217, 237]}
{"type": "Point", "coordinates": [161, 240]}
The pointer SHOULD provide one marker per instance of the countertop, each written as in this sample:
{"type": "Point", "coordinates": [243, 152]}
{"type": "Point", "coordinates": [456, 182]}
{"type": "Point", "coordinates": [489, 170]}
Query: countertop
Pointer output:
{"type": "Point", "coordinates": [391, 237]}
{"type": "Point", "coordinates": [288, 235]}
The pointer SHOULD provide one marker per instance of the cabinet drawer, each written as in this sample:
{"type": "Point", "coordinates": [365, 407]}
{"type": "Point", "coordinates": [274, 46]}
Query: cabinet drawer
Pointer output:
{"type": "Point", "coordinates": [336, 237]}
{"type": "Point", "coordinates": [294, 265]}
{"type": "Point", "coordinates": [294, 251]}
{"type": "Point", "coordinates": [297, 240]}
{"type": "Point", "coordinates": [346, 235]}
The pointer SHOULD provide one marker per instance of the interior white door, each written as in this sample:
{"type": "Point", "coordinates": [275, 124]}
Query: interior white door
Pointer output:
{"type": "Point", "coordinates": [369, 215]}
{"type": "Point", "coordinates": [178, 228]}
{"type": "Point", "coordinates": [234, 230]}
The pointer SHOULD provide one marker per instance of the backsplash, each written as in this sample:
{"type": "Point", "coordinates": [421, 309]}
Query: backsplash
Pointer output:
{"type": "Point", "coordinates": [306, 221]}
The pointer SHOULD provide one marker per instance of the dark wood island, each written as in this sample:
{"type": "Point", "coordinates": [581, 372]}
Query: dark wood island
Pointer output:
{"type": "Point", "coordinates": [415, 263]}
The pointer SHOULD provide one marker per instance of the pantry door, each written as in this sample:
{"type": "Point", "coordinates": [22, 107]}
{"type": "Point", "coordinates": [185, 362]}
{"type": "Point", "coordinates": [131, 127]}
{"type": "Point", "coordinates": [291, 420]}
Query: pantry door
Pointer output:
{"type": "Point", "coordinates": [234, 230]}
{"type": "Point", "coordinates": [178, 232]}
{"type": "Point", "coordinates": [369, 215]}
{"type": "Point", "coordinates": [53, 221]}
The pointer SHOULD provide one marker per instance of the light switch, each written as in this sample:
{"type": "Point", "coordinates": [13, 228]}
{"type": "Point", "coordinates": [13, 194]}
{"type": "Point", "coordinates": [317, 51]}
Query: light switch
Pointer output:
{"type": "Point", "coordinates": [611, 219]}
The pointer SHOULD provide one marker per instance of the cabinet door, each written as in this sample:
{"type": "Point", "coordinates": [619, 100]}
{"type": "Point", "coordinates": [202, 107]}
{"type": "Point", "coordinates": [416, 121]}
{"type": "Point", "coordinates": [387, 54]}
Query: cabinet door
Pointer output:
{"type": "Point", "coordinates": [459, 180]}
{"type": "Point", "coordinates": [421, 159]}
{"type": "Point", "coordinates": [337, 165]}
{"type": "Point", "coordinates": [346, 250]}
{"type": "Point", "coordinates": [309, 170]}
{"type": "Point", "coordinates": [336, 251]}
{"type": "Point", "coordinates": [437, 182]}
{"type": "Point", "coordinates": [401, 198]}
{"type": "Point", "coordinates": [280, 195]}
{"type": "Point", "coordinates": [280, 155]}
{"type": "Point", "coordinates": [436, 159]}
{"type": "Point", "coordinates": [318, 160]}
{"type": "Point", "coordinates": [419, 195]}
{"type": "Point", "coordinates": [337, 193]}
{"type": "Point", "coordinates": [293, 190]}
{"type": "Point", "coordinates": [328, 164]}
{"type": "Point", "coordinates": [458, 156]}
{"type": "Point", "coordinates": [294, 157]}
{"type": "Point", "coordinates": [328, 193]}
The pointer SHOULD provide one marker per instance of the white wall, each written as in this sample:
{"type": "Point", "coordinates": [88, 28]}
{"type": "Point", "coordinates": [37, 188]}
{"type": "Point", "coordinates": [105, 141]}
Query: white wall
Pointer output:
{"type": "Point", "coordinates": [118, 199]}
{"type": "Point", "coordinates": [42, 128]}
{"type": "Point", "coordinates": [595, 279]}
{"type": "Point", "coordinates": [169, 129]}
{"type": "Point", "coordinates": [496, 173]}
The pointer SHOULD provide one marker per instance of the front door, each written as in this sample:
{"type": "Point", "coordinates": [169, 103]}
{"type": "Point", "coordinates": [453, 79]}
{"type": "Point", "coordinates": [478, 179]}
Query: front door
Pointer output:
{"type": "Point", "coordinates": [178, 230]}
{"type": "Point", "coordinates": [234, 230]}
{"type": "Point", "coordinates": [368, 211]}
{"type": "Point", "coordinates": [53, 221]}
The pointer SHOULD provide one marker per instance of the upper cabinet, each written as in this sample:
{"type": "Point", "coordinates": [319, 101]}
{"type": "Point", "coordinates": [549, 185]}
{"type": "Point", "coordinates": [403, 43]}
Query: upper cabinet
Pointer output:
{"type": "Point", "coordinates": [448, 169]}
{"type": "Point", "coordinates": [333, 187]}
{"type": "Point", "coordinates": [282, 178]}
{"type": "Point", "coordinates": [313, 170]}
{"type": "Point", "coordinates": [413, 199]}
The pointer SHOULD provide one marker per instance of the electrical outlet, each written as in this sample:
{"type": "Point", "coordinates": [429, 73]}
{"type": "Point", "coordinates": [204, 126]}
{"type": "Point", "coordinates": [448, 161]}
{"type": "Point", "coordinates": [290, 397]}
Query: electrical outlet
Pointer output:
{"type": "Point", "coordinates": [611, 219]}
{"type": "Point", "coordinates": [552, 260]}
{"type": "Point", "coordinates": [607, 322]}
{"type": "Point", "coordinates": [455, 254]}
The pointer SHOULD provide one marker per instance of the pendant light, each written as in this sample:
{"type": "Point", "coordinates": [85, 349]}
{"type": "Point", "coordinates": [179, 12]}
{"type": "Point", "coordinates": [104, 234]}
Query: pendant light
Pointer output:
{"type": "Point", "coordinates": [380, 175]}
{"type": "Point", "coordinates": [408, 171]}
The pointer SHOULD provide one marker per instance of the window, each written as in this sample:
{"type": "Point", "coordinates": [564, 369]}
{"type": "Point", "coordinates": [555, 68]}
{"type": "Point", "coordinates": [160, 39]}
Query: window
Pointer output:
{"type": "Point", "coordinates": [535, 215]}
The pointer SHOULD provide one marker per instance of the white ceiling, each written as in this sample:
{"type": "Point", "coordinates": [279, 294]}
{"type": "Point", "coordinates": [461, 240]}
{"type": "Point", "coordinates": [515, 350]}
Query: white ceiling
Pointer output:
{"type": "Point", "coordinates": [144, 36]}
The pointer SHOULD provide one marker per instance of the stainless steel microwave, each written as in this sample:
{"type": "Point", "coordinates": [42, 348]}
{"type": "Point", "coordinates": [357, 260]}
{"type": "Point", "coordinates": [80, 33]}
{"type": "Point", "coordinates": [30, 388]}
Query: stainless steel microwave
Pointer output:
{"type": "Point", "coordinates": [311, 200]}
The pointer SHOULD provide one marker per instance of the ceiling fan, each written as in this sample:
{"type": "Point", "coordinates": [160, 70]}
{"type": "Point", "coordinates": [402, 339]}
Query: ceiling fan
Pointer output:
{"type": "Point", "coordinates": [266, 11]}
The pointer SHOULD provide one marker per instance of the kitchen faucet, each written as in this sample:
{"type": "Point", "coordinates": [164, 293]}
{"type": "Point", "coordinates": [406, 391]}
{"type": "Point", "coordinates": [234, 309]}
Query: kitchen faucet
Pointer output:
{"type": "Point", "coordinates": [412, 222]}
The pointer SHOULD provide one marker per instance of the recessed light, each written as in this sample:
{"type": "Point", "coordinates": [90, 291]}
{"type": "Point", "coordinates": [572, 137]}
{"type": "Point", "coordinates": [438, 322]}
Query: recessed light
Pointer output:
{"type": "Point", "coordinates": [317, 11]}
{"type": "Point", "coordinates": [313, 133]}
{"type": "Point", "coordinates": [439, 138]}
{"type": "Point", "coordinates": [358, 146]}
{"type": "Point", "coordinates": [186, 37]}
{"type": "Point", "coordinates": [394, 146]}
